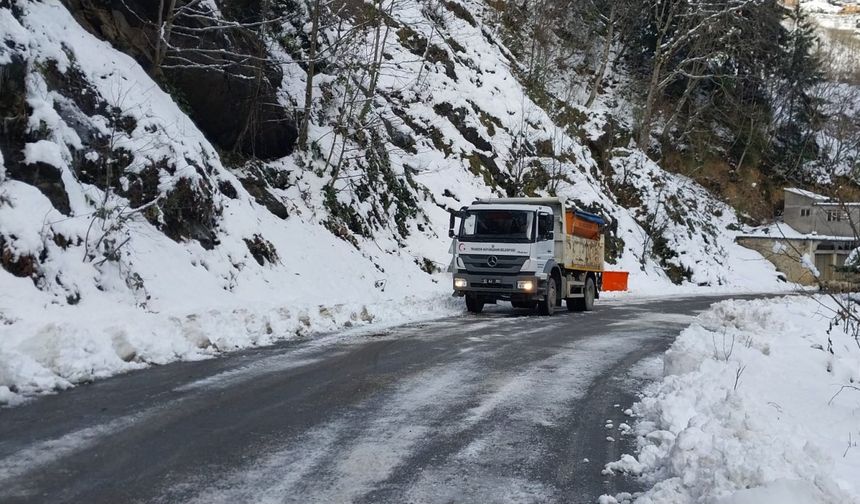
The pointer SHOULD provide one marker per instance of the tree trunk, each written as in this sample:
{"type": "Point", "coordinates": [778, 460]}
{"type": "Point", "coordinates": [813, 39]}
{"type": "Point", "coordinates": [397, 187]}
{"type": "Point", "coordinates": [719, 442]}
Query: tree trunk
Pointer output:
{"type": "Point", "coordinates": [607, 49]}
{"type": "Point", "coordinates": [379, 42]}
{"type": "Point", "coordinates": [309, 84]}
{"type": "Point", "coordinates": [692, 83]}
{"type": "Point", "coordinates": [163, 29]}
{"type": "Point", "coordinates": [648, 112]}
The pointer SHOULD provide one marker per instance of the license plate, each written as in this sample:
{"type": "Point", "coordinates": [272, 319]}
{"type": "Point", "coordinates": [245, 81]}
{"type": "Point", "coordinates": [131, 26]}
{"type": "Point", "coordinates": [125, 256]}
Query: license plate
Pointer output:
{"type": "Point", "coordinates": [491, 281]}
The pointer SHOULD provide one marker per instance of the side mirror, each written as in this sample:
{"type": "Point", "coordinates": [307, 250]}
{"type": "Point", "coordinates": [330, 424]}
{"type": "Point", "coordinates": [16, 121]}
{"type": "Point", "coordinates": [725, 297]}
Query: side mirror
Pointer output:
{"type": "Point", "coordinates": [451, 221]}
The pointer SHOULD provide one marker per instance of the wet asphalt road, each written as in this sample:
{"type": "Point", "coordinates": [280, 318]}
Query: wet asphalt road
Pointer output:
{"type": "Point", "coordinates": [501, 407]}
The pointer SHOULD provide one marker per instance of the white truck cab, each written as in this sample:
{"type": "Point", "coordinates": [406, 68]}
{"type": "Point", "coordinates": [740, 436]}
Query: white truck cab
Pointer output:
{"type": "Point", "coordinates": [528, 251]}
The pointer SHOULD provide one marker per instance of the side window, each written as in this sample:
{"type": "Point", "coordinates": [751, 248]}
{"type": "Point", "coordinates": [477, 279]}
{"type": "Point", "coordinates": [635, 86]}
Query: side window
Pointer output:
{"type": "Point", "coordinates": [469, 225]}
{"type": "Point", "coordinates": [545, 225]}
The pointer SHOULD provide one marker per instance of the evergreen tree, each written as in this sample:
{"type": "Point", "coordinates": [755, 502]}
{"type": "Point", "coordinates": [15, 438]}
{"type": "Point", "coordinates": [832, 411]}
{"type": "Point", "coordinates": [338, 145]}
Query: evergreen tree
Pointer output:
{"type": "Point", "coordinates": [796, 111]}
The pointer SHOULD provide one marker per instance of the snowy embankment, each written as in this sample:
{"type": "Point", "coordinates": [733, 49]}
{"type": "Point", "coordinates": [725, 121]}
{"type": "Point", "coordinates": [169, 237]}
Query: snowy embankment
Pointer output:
{"type": "Point", "coordinates": [96, 288]}
{"type": "Point", "coordinates": [758, 405]}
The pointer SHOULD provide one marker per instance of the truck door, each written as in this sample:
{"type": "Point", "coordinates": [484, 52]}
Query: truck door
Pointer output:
{"type": "Point", "coordinates": [544, 243]}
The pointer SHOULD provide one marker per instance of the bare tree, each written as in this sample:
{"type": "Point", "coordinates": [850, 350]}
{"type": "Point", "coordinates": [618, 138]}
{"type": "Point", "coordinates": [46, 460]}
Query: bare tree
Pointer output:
{"type": "Point", "coordinates": [619, 13]}
{"type": "Point", "coordinates": [309, 82]}
{"type": "Point", "coordinates": [190, 20]}
{"type": "Point", "coordinates": [687, 35]}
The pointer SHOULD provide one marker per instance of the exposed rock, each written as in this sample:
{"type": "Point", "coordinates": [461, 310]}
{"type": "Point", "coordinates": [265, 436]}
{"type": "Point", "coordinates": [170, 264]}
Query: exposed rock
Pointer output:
{"type": "Point", "coordinates": [14, 135]}
{"type": "Point", "coordinates": [457, 117]}
{"type": "Point", "coordinates": [461, 12]}
{"type": "Point", "coordinates": [20, 265]}
{"type": "Point", "coordinates": [236, 106]}
{"type": "Point", "coordinates": [262, 250]}
{"type": "Point", "coordinates": [188, 212]}
{"type": "Point", "coordinates": [256, 180]}
{"type": "Point", "coordinates": [417, 45]}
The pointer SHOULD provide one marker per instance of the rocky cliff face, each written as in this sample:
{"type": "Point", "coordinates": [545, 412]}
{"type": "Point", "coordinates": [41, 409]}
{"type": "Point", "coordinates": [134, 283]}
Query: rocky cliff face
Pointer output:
{"type": "Point", "coordinates": [218, 72]}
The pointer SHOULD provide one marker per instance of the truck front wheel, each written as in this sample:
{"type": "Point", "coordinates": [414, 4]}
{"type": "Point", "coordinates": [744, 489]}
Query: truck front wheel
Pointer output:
{"type": "Point", "coordinates": [547, 306]}
{"type": "Point", "coordinates": [474, 304]}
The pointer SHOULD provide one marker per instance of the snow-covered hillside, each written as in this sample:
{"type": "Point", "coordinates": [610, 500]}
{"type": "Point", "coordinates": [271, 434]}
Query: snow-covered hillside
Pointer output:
{"type": "Point", "coordinates": [128, 238]}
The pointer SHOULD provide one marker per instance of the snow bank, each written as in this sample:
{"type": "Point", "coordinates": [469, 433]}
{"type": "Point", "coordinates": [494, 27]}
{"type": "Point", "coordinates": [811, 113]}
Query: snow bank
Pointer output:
{"type": "Point", "coordinates": [744, 412]}
{"type": "Point", "coordinates": [52, 347]}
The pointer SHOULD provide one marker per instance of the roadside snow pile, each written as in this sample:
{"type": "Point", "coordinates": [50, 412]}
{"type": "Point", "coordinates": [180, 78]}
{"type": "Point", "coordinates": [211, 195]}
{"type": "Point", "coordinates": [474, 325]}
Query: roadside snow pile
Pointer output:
{"type": "Point", "coordinates": [54, 348]}
{"type": "Point", "coordinates": [750, 410]}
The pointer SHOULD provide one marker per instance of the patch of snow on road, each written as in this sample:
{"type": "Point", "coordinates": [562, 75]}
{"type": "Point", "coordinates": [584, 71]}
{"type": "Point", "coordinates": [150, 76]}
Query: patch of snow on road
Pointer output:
{"type": "Point", "coordinates": [647, 369]}
{"type": "Point", "coordinates": [270, 479]}
{"type": "Point", "coordinates": [347, 456]}
{"type": "Point", "coordinates": [226, 379]}
{"type": "Point", "coordinates": [38, 455]}
{"type": "Point", "coordinates": [512, 417]}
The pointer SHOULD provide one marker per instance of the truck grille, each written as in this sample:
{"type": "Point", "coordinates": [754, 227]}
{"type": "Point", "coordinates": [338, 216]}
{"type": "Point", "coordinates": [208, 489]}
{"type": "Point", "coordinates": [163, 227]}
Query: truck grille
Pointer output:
{"type": "Point", "coordinates": [503, 286]}
{"type": "Point", "coordinates": [497, 265]}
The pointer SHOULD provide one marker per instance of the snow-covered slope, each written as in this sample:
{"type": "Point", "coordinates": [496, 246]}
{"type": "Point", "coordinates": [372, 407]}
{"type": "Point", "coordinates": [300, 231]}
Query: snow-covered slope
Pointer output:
{"type": "Point", "coordinates": [127, 239]}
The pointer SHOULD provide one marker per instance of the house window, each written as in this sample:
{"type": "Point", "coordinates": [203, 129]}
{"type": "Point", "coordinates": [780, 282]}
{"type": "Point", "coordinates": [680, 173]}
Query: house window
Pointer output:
{"type": "Point", "coordinates": [836, 215]}
{"type": "Point", "coordinates": [804, 212]}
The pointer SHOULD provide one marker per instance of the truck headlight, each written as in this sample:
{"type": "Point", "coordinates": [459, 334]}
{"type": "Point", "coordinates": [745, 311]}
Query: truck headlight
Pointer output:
{"type": "Point", "coordinates": [460, 283]}
{"type": "Point", "coordinates": [526, 285]}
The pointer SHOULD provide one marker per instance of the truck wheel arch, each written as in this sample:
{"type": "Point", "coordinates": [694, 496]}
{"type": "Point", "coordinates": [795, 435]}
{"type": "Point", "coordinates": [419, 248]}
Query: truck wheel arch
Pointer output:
{"type": "Point", "coordinates": [554, 271]}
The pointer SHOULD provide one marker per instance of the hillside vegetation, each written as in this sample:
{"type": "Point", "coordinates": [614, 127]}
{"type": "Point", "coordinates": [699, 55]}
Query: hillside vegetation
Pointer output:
{"type": "Point", "coordinates": [289, 164]}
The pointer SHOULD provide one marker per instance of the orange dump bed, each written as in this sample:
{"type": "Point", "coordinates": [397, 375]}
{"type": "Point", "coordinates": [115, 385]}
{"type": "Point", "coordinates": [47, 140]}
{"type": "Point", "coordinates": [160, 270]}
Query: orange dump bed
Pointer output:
{"type": "Point", "coordinates": [615, 280]}
{"type": "Point", "coordinates": [577, 226]}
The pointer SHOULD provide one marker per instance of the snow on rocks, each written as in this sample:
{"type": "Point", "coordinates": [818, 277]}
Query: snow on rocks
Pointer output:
{"type": "Point", "coordinates": [744, 413]}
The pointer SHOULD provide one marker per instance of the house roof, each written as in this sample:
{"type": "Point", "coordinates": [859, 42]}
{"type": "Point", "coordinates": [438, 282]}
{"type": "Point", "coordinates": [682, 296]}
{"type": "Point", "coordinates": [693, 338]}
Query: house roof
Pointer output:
{"type": "Point", "coordinates": [782, 231]}
{"type": "Point", "coordinates": [806, 194]}
{"type": "Point", "coordinates": [835, 204]}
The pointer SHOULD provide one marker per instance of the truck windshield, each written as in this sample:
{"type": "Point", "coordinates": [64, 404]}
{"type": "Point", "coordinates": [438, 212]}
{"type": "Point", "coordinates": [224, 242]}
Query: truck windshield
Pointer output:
{"type": "Point", "coordinates": [509, 226]}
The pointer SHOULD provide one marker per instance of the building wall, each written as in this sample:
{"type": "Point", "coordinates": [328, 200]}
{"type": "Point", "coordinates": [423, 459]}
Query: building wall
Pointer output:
{"type": "Point", "coordinates": [792, 212]}
{"type": "Point", "coordinates": [843, 227]}
{"type": "Point", "coordinates": [786, 256]}
{"type": "Point", "coordinates": [816, 220]}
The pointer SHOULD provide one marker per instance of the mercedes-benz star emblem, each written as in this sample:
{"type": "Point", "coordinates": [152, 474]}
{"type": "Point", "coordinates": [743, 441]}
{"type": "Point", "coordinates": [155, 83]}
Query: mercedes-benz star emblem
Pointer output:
{"type": "Point", "coordinates": [492, 261]}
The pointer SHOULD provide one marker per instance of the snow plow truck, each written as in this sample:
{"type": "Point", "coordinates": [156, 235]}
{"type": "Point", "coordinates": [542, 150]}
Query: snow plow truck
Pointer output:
{"type": "Point", "coordinates": [533, 252]}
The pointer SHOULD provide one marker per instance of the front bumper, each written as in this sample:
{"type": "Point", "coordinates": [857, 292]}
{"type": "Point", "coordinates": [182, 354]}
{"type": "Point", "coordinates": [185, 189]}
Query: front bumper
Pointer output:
{"type": "Point", "coordinates": [499, 287]}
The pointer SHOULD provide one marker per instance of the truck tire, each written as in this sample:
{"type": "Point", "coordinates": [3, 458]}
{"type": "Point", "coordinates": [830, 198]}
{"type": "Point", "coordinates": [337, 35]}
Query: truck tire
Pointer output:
{"type": "Point", "coordinates": [474, 304]}
{"type": "Point", "coordinates": [547, 306]}
{"type": "Point", "coordinates": [585, 303]}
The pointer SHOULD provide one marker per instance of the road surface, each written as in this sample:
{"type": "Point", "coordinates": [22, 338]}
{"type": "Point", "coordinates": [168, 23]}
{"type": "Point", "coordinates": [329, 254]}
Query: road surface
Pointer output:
{"type": "Point", "coordinates": [501, 407]}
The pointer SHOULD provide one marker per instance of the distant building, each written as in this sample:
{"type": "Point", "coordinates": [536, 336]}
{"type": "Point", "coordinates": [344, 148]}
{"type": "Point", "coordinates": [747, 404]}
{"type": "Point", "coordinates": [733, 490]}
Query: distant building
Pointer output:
{"type": "Point", "coordinates": [811, 213]}
{"type": "Point", "coordinates": [816, 231]}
